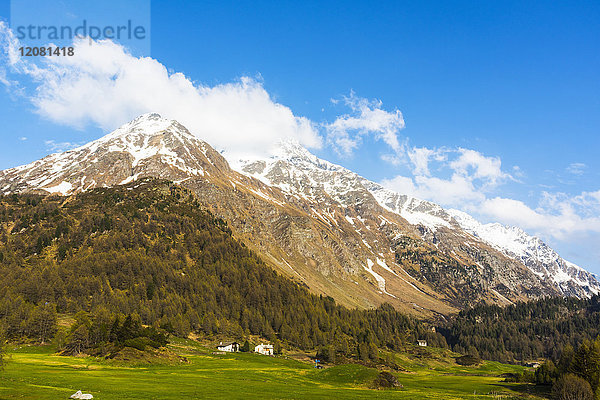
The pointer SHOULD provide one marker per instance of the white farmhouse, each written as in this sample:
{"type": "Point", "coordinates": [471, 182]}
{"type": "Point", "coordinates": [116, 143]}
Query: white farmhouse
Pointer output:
{"type": "Point", "coordinates": [231, 347]}
{"type": "Point", "coordinates": [264, 349]}
{"type": "Point", "coordinates": [422, 343]}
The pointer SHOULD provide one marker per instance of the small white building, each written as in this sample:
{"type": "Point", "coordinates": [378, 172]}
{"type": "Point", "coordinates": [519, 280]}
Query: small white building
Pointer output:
{"type": "Point", "coordinates": [422, 343]}
{"type": "Point", "coordinates": [232, 347]}
{"type": "Point", "coordinates": [264, 349]}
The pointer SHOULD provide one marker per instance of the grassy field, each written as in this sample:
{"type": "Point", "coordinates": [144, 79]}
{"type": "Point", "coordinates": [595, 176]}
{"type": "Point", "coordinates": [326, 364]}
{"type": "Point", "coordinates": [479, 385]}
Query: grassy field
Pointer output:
{"type": "Point", "coordinates": [36, 373]}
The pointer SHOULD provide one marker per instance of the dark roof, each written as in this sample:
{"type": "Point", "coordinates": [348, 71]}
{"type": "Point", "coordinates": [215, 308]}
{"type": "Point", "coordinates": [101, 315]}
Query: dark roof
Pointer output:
{"type": "Point", "coordinates": [224, 344]}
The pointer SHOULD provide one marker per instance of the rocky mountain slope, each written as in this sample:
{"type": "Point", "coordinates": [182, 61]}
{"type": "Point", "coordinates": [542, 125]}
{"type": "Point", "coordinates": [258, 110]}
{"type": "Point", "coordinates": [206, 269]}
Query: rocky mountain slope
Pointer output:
{"type": "Point", "coordinates": [540, 258]}
{"type": "Point", "coordinates": [319, 224]}
{"type": "Point", "coordinates": [304, 172]}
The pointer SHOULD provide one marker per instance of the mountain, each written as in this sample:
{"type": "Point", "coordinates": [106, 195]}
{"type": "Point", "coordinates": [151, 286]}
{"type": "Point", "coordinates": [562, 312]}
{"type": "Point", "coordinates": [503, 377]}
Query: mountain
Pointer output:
{"type": "Point", "coordinates": [305, 173]}
{"type": "Point", "coordinates": [320, 224]}
{"type": "Point", "coordinates": [146, 146]}
{"type": "Point", "coordinates": [540, 258]}
{"type": "Point", "coordinates": [146, 249]}
{"type": "Point", "coordinates": [295, 170]}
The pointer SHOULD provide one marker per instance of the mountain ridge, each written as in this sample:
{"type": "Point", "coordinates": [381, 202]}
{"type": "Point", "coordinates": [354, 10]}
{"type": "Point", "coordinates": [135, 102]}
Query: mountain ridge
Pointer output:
{"type": "Point", "coordinates": [570, 278]}
{"type": "Point", "coordinates": [319, 223]}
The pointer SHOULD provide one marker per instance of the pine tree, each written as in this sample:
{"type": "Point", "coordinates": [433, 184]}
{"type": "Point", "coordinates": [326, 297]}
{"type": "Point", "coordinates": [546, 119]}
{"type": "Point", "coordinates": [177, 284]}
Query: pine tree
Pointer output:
{"type": "Point", "coordinates": [245, 347]}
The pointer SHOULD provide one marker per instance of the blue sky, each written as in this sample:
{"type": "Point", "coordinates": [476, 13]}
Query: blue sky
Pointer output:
{"type": "Point", "coordinates": [495, 106]}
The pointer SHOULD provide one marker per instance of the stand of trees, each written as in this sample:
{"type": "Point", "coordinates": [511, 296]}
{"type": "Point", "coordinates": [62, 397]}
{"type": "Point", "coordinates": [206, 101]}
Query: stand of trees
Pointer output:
{"type": "Point", "coordinates": [104, 333]}
{"type": "Point", "coordinates": [576, 374]}
{"type": "Point", "coordinates": [149, 251]}
{"type": "Point", "coordinates": [525, 331]}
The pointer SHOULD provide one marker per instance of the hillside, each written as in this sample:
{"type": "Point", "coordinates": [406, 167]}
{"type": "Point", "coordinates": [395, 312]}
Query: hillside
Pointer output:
{"type": "Point", "coordinates": [148, 248]}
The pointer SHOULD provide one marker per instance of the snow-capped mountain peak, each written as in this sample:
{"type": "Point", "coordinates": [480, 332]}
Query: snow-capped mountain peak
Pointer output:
{"type": "Point", "coordinates": [323, 214]}
{"type": "Point", "coordinates": [540, 258]}
{"type": "Point", "coordinates": [141, 147]}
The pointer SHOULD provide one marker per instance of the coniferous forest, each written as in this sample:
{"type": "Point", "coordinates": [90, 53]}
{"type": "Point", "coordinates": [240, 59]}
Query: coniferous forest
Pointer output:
{"type": "Point", "coordinates": [147, 255]}
{"type": "Point", "coordinates": [134, 264]}
{"type": "Point", "coordinates": [525, 331]}
{"type": "Point", "coordinates": [564, 332]}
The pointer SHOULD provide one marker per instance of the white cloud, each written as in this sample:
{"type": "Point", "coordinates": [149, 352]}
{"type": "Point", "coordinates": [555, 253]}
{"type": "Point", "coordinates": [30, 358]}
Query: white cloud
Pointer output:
{"type": "Point", "coordinates": [103, 85]}
{"type": "Point", "coordinates": [559, 221]}
{"type": "Point", "coordinates": [558, 216]}
{"type": "Point", "coordinates": [473, 179]}
{"type": "Point", "coordinates": [576, 168]}
{"type": "Point", "coordinates": [454, 192]}
{"type": "Point", "coordinates": [420, 158]}
{"type": "Point", "coordinates": [474, 165]}
{"type": "Point", "coordinates": [367, 118]}
{"type": "Point", "coordinates": [59, 147]}
{"type": "Point", "coordinates": [470, 175]}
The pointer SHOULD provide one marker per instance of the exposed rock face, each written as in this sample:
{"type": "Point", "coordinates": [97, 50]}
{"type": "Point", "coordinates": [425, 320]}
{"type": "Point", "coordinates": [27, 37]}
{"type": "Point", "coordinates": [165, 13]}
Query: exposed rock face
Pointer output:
{"type": "Point", "coordinates": [426, 241]}
{"type": "Point", "coordinates": [570, 279]}
{"type": "Point", "coordinates": [318, 223]}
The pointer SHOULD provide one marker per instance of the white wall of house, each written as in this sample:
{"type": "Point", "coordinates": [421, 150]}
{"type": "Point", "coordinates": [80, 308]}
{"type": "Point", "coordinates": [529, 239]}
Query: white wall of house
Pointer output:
{"type": "Point", "coordinates": [264, 349]}
{"type": "Point", "coordinates": [233, 347]}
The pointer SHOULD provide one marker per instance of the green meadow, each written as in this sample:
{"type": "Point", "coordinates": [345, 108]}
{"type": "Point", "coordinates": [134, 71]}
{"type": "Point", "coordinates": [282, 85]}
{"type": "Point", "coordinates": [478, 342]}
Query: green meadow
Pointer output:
{"type": "Point", "coordinates": [35, 372]}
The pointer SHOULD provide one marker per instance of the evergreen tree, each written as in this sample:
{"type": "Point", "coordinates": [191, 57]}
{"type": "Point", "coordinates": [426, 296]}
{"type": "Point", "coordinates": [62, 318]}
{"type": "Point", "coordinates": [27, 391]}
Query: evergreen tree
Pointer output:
{"type": "Point", "coordinates": [147, 254]}
{"type": "Point", "coordinates": [245, 347]}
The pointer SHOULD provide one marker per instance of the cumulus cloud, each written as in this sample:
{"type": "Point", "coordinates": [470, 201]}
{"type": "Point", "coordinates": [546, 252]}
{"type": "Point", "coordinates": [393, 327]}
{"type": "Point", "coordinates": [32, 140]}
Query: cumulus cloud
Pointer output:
{"type": "Point", "coordinates": [420, 157]}
{"type": "Point", "coordinates": [471, 183]}
{"type": "Point", "coordinates": [366, 118]}
{"type": "Point", "coordinates": [470, 175]}
{"type": "Point", "coordinates": [104, 85]}
{"type": "Point", "coordinates": [559, 220]}
{"type": "Point", "coordinates": [473, 164]}
{"type": "Point", "coordinates": [455, 192]}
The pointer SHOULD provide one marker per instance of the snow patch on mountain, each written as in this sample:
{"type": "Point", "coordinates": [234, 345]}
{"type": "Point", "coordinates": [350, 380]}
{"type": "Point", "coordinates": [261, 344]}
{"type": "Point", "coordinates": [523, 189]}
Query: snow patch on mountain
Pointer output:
{"type": "Point", "coordinates": [378, 278]}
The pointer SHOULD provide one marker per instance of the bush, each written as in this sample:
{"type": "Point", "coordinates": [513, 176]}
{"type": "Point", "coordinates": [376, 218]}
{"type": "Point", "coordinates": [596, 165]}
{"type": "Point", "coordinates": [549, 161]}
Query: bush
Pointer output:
{"type": "Point", "coordinates": [468, 360]}
{"type": "Point", "coordinates": [326, 354]}
{"type": "Point", "coordinates": [572, 387]}
{"type": "Point", "coordinates": [245, 347]}
{"type": "Point", "coordinates": [158, 338]}
{"type": "Point", "coordinates": [140, 343]}
{"type": "Point", "coordinates": [386, 380]}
